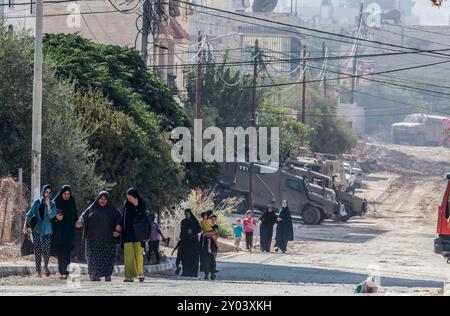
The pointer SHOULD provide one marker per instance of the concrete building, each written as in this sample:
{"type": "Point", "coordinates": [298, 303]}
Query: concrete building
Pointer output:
{"type": "Point", "coordinates": [100, 21]}
{"type": "Point", "coordinates": [238, 37]}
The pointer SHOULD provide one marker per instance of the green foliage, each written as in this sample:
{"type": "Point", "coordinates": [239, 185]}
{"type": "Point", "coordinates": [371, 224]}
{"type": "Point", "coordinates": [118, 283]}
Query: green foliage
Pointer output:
{"type": "Point", "coordinates": [329, 134]}
{"type": "Point", "coordinates": [130, 155]}
{"type": "Point", "coordinates": [222, 102]}
{"type": "Point", "coordinates": [293, 134]}
{"type": "Point", "coordinates": [66, 155]}
{"type": "Point", "coordinates": [119, 73]}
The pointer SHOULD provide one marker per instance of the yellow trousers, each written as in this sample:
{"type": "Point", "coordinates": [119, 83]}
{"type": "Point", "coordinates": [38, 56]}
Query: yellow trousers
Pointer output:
{"type": "Point", "coordinates": [134, 259]}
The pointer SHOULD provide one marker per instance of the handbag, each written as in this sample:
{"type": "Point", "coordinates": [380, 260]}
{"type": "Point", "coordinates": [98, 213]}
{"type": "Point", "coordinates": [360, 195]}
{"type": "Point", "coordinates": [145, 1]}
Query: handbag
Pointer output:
{"type": "Point", "coordinates": [31, 223]}
{"type": "Point", "coordinates": [27, 247]}
{"type": "Point", "coordinates": [142, 226]}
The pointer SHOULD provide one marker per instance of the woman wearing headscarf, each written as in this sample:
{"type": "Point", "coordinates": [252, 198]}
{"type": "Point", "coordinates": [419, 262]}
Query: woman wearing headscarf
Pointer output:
{"type": "Point", "coordinates": [267, 220]}
{"type": "Point", "coordinates": [133, 248]}
{"type": "Point", "coordinates": [42, 212]}
{"type": "Point", "coordinates": [190, 245]}
{"type": "Point", "coordinates": [64, 228]}
{"type": "Point", "coordinates": [100, 222]}
{"type": "Point", "coordinates": [285, 230]}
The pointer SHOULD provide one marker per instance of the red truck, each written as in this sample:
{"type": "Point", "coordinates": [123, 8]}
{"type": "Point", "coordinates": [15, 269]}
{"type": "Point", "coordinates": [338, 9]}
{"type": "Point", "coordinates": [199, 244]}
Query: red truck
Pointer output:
{"type": "Point", "coordinates": [442, 242]}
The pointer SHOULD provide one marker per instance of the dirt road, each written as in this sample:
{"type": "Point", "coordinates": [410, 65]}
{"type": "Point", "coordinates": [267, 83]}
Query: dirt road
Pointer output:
{"type": "Point", "coordinates": [393, 242]}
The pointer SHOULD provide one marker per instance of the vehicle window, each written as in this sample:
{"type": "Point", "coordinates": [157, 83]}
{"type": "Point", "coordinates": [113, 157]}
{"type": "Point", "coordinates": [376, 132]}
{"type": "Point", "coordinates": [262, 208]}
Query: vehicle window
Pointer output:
{"type": "Point", "coordinates": [294, 185]}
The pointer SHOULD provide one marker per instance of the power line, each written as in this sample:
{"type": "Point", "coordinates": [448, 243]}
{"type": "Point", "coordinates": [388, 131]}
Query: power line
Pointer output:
{"type": "Point", "coordinates": [300, 27]}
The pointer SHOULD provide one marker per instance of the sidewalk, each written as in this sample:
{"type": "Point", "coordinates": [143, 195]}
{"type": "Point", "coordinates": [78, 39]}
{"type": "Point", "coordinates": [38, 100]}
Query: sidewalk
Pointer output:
{"type": "Point", "coordinates": [23, 268]}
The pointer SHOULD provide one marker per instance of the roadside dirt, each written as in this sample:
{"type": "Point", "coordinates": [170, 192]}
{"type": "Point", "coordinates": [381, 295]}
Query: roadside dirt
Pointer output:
{"type": "Point", "coordinates": [405, 160]}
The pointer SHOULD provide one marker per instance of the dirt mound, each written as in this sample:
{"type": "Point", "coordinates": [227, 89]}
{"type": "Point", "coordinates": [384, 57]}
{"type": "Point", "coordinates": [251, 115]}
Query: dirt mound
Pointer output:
{"type": "Point", "coordinates": [404, 160]}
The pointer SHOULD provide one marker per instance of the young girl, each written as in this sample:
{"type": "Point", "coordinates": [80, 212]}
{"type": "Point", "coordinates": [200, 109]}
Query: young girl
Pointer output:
{"type": "Point", "coordinates": [249, 228]}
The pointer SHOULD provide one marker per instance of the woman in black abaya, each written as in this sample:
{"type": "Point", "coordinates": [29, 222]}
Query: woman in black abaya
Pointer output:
{"type": "Point", "coordinates": [190, 245]}
{"type": "Point", "coordinates": [268, 219]}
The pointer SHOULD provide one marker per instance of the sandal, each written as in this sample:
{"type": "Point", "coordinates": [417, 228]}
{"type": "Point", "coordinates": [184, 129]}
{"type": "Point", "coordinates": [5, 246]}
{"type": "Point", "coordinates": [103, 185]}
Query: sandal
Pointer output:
{"type": "Point", "coordinates": [141, 279]}
{"type": "Point", "coordinates": [129, 280]}
{"type": "Point", "coordinates": [47, 272]}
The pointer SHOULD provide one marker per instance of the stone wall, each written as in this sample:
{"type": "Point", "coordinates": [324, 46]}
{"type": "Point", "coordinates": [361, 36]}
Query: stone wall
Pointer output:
{"type": "Point", "coordinates": [13, 205]}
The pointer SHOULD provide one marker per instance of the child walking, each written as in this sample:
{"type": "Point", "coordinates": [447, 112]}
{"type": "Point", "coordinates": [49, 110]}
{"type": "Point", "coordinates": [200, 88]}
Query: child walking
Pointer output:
{"type": "Point", "coordinates": [249, 228]}
{"type": "Point", "coordinates": [237, 234]}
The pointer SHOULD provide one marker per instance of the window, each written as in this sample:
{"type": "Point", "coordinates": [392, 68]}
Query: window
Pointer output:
{"type": "Point", "coordinates": [294, 185]}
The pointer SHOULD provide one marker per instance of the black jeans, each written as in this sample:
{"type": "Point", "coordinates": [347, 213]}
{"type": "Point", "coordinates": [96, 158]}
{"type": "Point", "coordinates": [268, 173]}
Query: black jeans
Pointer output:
{"type": "Point", "coordinates": [153, 246]}
{"type": "Point", "coordinates": [249, 240]}
{"type": "Point", "coordinates": [63, 254]}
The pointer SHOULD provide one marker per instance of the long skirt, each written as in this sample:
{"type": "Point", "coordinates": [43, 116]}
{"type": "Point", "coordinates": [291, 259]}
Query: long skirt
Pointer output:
{"type": "Point", "coordinates": [190, 255]}
{"type": "Point", "coordinates": [266, 233]}
{"type": "Point", "coordinates": [134, 259]}
{"type": "Point", "coordinates": [100, 258]}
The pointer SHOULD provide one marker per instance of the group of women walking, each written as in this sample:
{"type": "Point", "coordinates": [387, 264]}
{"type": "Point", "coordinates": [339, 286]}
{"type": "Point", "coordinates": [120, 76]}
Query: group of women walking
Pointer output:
{"type": "Point", "coordinates": [53, 224]}
{"type": "Point", "coordinates": [284, 230]}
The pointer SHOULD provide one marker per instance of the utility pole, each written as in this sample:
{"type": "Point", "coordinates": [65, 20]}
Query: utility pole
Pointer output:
{"type": "Point", "coordinates": [324, 82]}
{"type": "Point", "coordinates": [354, 78]}
{"type": "Point", "coordinates": [145, 31]}
{"type": "Point", "coordinates": [403, 35]}
{"type": "Point", "coordinates": [303, 116]}
{"type": "Point", "coordinates": [36, 137]}
{"type": "Point", "coordinates": [253, 121]}
{"type": "Point", "coordinates": [198, 83]}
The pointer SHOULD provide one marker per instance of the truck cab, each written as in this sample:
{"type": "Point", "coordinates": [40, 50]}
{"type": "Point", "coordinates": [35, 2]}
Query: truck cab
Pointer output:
{"type": "Point", "coordinates": [442, 241]}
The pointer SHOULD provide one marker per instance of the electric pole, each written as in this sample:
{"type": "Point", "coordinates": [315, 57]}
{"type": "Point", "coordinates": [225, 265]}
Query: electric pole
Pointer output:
{"type": "Point", "coordinates": [36, 137]}
{"type": "Point", "coordinates": [198, 83]}
{"type": "Point", "coordinates": [303, 116]}
{"type": "Point", "coordinates": [324, 82]}
{"type": "Point", "coordinates": [145, 31]}
{"type": "Point", "coordinates": [253, 121]}
{"type": "Point", "coordinates": [354, 78]}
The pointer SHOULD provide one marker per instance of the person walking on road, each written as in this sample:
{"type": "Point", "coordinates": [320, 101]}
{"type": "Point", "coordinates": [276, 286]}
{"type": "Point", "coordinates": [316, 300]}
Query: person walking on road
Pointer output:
{"type": "Point", "coordinates": [210, 248]}
{"type": "Point", "coordinates": [41, 214]}
{"type": "Point", "coordinates": [190, 246]}
{"type": "Point", "coordinates": [237, 234]}
{"type": "Point", "coordinates": [101, 228]}
{"type": "Point", "coordinates": [285, 230]}
{"type": "Point", "coordinates": [133, 248]}
{"type": "Point", "coordinates": [155, 238]}
{"type": "Point", "coordinates": [64, 228]}
{"type": "Point", "coordinates": [267, 220]}
{"type": "Point", "coordinates": [249, 228]}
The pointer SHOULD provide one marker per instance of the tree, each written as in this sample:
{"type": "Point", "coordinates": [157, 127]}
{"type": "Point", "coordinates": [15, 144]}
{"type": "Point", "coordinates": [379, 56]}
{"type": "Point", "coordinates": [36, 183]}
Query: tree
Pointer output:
{"type": "Point", "coordinates": [66, 155]}
{"type": "Point", "coordinates": [293, 134]}
{"type": "Point", "coordinates": [119, 73]}
{"type": "Point", "coordinates": [130, 155]}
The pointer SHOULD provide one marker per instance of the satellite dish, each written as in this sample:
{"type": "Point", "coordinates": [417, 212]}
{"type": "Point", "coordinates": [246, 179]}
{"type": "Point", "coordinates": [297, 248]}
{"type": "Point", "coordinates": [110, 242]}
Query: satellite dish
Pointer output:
{"type": "Point", "coordinates": [264, 5]}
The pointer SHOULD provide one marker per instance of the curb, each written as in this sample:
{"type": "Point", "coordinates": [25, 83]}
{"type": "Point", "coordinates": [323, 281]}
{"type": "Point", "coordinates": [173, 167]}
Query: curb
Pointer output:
{"type": "Point", "coordinates": [81, 269]}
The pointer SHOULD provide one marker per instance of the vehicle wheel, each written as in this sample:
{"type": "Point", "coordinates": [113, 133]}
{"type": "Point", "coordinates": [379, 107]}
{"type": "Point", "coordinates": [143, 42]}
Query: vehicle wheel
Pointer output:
{"type": "Point", "coordinates": [438, 247]}
{"type": "Point", "coordinates": [349, 210]}
{"type": "Point", "coordinates": [311, 216]}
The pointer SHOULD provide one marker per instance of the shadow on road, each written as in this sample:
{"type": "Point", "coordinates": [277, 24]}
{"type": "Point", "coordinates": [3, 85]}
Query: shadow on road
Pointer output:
{"type": "Point", "coordinates": [237, 271]}
{"type": "Point", "coordinates": [334, 232]}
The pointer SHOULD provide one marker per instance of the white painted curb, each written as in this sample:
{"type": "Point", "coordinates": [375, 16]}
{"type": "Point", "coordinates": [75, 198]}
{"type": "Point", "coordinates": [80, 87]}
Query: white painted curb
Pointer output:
{"type": "Point", "coordinates": [6, 271]}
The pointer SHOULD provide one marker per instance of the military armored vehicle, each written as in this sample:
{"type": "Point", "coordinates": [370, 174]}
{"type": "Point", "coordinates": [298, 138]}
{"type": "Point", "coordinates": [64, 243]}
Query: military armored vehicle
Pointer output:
{"type": "Point", "coordinates": [272, 185]}
{"type": "Point", "coordinates": [420, 130]}
{"type": "Point", "coordinates": [354, 205]}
